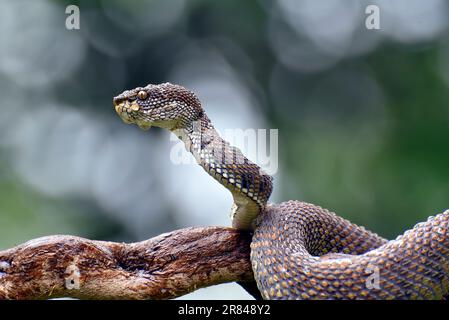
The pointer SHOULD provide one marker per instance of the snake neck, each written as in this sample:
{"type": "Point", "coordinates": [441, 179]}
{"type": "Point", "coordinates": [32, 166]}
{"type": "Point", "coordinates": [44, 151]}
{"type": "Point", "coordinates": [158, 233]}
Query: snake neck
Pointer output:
{"type": "Point", "coordinates": [249, 185]}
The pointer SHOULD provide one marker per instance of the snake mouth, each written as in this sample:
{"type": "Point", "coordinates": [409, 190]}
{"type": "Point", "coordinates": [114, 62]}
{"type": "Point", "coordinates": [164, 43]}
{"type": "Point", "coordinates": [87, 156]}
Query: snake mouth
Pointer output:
{"type": "Point", "coordinates": [125, 112]}
{"type": "Point", "coordinates": [129, 113]}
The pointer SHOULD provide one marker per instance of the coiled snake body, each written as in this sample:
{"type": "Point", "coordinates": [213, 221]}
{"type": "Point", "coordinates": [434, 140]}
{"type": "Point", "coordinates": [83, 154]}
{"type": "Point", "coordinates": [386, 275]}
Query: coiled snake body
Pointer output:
{"type": "Point", "coordinates": [298, 250]}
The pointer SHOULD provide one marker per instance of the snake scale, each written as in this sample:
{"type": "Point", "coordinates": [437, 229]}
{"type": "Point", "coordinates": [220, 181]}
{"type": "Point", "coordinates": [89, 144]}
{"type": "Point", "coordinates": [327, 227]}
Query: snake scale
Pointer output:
{"type": "Point", "coordinates": [298, 250]}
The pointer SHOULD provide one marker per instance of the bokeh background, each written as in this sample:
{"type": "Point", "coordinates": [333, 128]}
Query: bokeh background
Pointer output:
{"type": "Point", "coordinates": [363, 115]}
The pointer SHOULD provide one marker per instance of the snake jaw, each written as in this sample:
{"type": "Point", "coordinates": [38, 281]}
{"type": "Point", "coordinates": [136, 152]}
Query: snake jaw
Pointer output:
{"type": "Point", "coordinates": [124, 112]}
{"type": "Point", "coordinates": [143, 125]}
{"type": "Point", "coordinates": [129, 113]}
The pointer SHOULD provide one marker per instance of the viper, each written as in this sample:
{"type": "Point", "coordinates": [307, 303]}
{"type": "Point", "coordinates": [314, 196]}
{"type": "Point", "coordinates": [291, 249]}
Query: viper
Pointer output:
{"type": "Point", "coordinates": [298, 250]}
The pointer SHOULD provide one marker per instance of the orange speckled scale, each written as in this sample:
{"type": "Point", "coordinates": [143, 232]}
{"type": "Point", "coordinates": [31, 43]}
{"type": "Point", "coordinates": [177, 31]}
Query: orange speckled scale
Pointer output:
{"type": "Point", "coordinates": [420, 273]}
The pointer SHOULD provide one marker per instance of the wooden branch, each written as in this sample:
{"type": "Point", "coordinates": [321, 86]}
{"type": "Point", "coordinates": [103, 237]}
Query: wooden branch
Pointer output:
{"type": "Point", "coordinates": [167, 266]}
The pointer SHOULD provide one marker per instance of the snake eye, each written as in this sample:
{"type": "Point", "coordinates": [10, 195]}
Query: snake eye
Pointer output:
{"type": "Point", "coordinates": [142, 95]}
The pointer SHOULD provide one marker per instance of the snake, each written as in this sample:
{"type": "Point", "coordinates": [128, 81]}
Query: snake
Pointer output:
{"type": "Point", "coordinates": [298, 250]}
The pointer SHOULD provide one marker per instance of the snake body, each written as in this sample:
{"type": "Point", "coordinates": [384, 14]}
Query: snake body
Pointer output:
{"type": "Point", "coordinates": [299, 250]}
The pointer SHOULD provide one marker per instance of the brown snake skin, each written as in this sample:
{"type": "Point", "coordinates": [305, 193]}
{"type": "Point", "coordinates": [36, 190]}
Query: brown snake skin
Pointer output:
{"type": "Point", "coordinates": [299, 250]}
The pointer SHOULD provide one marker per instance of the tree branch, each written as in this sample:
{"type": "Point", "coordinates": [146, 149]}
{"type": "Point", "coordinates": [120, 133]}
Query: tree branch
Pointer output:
{"type": "Point", "coordinates": [166, 266]}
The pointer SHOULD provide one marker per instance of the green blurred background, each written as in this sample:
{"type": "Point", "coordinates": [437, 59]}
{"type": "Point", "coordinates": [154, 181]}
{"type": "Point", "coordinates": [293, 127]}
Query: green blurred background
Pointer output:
{"type": "Point", "coordinates": [363, 115]}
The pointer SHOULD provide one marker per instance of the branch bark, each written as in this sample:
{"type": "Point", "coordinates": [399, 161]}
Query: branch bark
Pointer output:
{"type": "Point", "coordinates": [163, 267]}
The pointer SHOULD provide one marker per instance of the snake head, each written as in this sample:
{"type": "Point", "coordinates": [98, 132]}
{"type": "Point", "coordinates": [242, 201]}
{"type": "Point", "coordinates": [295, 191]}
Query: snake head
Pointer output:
{"type": "Point", "coordinates": [164, 105]}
